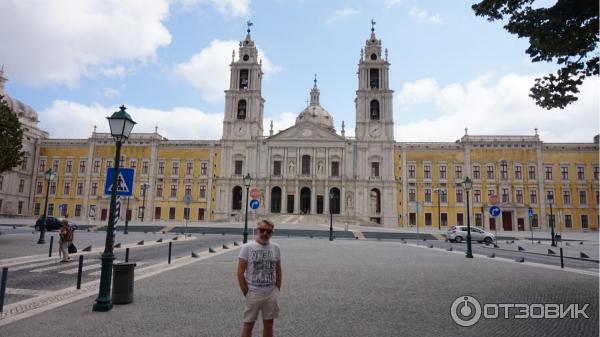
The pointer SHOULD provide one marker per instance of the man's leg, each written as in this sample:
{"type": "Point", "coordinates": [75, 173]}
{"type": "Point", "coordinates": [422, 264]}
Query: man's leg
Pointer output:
{"type": "Point", "coordinates": [247, 329]}
{"type": "Point", "coordinates": [267, 328]}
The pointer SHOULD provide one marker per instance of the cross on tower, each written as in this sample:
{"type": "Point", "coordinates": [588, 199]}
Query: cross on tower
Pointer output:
{"type": "Point", "coordinates": [373, 25]}
{"type": "Point", "coordinates": [249, 23]}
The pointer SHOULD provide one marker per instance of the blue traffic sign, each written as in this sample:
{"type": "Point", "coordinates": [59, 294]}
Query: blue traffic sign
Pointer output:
{"type": "Point", "coordinates": [124, 182]}
{"type": "Point", "coordinates": [254, 204]}
{"type": "Point", "coordinates": [494, 211]}
{"type": "Point", "coordinates": [530, 212]}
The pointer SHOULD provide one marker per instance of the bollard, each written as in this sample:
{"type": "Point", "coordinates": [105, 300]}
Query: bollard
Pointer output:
{"type": "Point", "coordinates": [126, 254]}
{"type": "Point", "coordinates": [3, 287]}
{"type": "Point", "coordinates": [170, 245]}
{"type": "Point", "coordinates": [562, 263]}
{"type": "Point", "coordinates": [79, 271]}
{"type": "Point", "coordinates": [50, 250]}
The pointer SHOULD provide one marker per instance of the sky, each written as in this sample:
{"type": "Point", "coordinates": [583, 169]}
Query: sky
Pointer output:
{"type": "Point", "coordinates": [76, 61]}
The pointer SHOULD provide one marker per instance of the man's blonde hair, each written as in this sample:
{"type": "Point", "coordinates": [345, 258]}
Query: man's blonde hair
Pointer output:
{"type": "Point", "coordinates": [266, 222]}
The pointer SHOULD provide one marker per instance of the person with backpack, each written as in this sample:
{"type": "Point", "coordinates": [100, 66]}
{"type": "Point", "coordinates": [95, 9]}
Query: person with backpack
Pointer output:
{"type": "Point", "coordinates": [66, 239]}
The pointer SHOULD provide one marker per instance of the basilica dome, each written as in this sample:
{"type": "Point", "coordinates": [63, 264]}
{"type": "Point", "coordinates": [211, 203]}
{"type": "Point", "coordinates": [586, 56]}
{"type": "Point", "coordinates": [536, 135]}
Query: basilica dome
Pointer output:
{"type": "Point", "coordinates": [314, 113]}
{"type": "Point", "coordinates": [25, 113]}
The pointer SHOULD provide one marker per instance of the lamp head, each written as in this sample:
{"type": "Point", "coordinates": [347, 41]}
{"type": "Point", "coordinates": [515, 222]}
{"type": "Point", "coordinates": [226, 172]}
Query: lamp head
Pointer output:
{"type": "Point", "coordinates": [120, 124]}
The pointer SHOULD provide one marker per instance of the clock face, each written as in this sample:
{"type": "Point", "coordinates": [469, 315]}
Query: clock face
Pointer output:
{"type": "Point", "coordinates": [246, 57]}
{"type": "Point", "coordinates": [375, 130]}
{"type": "Point", "coordinates": [240, 130]}
{"type": "Point", "coordinates": [373, 57]}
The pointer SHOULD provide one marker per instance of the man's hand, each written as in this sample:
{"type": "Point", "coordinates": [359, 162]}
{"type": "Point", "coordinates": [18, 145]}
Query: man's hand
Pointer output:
{"type": "Point", "coordinates": [240, 276]}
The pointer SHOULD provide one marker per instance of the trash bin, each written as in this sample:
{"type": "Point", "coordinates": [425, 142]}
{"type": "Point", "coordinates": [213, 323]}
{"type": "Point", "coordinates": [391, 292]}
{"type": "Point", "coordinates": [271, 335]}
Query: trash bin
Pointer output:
{"type": "Point", "coordinates": [122, 290]}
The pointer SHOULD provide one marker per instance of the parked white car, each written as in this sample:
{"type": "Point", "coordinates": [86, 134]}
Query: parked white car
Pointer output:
{"type": "Point", "coordinates": [459, 234]}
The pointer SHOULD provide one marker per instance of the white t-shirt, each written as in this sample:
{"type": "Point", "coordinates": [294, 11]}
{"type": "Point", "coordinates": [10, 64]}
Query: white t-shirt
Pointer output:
{"type": "Point", "coordinates": [260, 269]}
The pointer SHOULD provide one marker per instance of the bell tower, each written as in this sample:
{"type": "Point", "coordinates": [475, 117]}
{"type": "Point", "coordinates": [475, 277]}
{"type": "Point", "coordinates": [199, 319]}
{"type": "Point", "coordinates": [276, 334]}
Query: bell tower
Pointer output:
{"type": "Point", "coordinates": [374, 99]}
{"type": "Point", "coordinates": [244, 103]}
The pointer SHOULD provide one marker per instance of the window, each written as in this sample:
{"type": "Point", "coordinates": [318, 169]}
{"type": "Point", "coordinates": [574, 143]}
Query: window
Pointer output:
{"type": "Point", "coordinates": [518, 173]}
{"type": "Point", "coordinates": [443, 172]}
{"type": "Point", "coordinates": [584, 221]}
{"type": "Point", "coordinates": [133, 163]}
{"type": "Point", "coordinates": [79, 188]}
{"type": "Point", "coordinates": [24, 163]}
{"type": "Point", "coordinates": [504, 171]}
{"type": "Point", "coordinates": [69, 167]}
{"type": "Point", "coordinates": [443, 195]}
{"type": "Point", "coordinates": [157, 212]}
{"type": "Point", "coordinates": [580, 173]}
{"type": "Point", "coordinates": [38, 187]}
{"type": "Point", "coordinates": [42, 165]}
{"type": "Point", "coordinates": [428, 219]}
{"type": "Point", "coordinates": [550, 196]}
{"type": "Point", "coordinates": [566, 197]}
{"type": "Point", "coordinates": [490, 193]}
{"type": "Point", "coordinates": [238, 167]}
{"type": "Point", "coordinates": [108, 163]}
{"type": "Point", "coordinates": [476, 172]}
{"type": "Point", "coordinates": [50, 209]}
{"type": "Point", "coordinates": [374, 78]}
{"type": "Point", "coordinates": [564, 173]}
{"type": "Point", "coordinates": [490, 171]}
{"type": "Point", "coordinates": [55, 165]}
{"type": "Point", "coordinates": [582, 198]}
{"type": "Point", "coordinates": [96, 166]}
{"type": "Point", "coordinates": [335, 168]}
{"type": "Point", "coordinates": [82, 165]}
{"type": "Point", "coordinates": [597, 198]}
{"type": "Point", "coordinates": [175, 168]}
{"type": "Point", "coordinates": [411, 195]}
{"type": "Point", "coordinates": [21, 185]}
{"type": "Point", "coordinates": [519, 196]}
{"type": "Point", "coordinates": [459, 195]}
{"type": "Point", "coordinates": [189, 168]}
{"type": "Point", "coordinates": [171, 213]}
{"type": "Point", "coordinates": [188, 189]}
{"type": "Point", "coordinates": [94, 189]}
{"type": "Point", "coordinates": [477, 196]}
{"type": "Point", "coordinates": [532, 173]}
{"type": "Point", "coordinates": [305, 164]}
{"type": "Point", "coordinates": [203, 168]}
{"type": "Point", "coordinates": [459, 219]}
{"type": "Point", "coordinates": [375, 169]}
{"type": "Point", "coordinates": [427, 171]}
{"type": "Point", "coordinates": [568, 221]}
{"type": "Point", "coordinates": [478, 220]}
{"type": "Point", "coordinates": [596, 173]}
{"type": "Point", "coordinates": [53, 188]}
{"type": "Point", "coordinates": [534, 220]}
{"type": "Point", "coordinates": [122, 161]}
{"type": "Point", "coordinates": [159, 190]}
{"type": "Point", "coordinates": [411, 171]}
{"type": "Point", "coordinates": [458, 172]}
{"type": "Point", "coordinates": [427, 195]}
{"type": "Point", "coordinates": [173, 191]}
{"type": "Point", "coordinates": [277, 168]}
{"type": "Point", "coordinates": [444, 220]}
{"type": "Point", "coordinates": [77, 210]}
{"type": "Point", "coordinates": [505, 195]}
{"type": "Point", "coordinates": [374, 110]}
{"type": "Point", "coordinates": [36, 208]}
{"type": "Point", "coordinates": [200, 213]}
{"type": "Point", "coordinates": [533, 197]}
{"type": "Point", "coordinates": [161, 167]}
{"type": "Point", "coordinates": [548, 171]}
{"type": "Point", "coordinates": [145, 167]}
{"type": "Point", "coordinates": [244, 79]}
{"type": "Point", "coordinates": [67, 188]}
{"type": "Point", "coordinates": [241, 109]}
{"type": "Point", "coordinates": [202, 191]}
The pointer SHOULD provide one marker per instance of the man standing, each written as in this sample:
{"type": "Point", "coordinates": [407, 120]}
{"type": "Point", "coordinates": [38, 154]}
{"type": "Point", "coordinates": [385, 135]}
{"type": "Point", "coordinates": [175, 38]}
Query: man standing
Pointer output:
{"type": "Point", "coordinates": [259, 276]}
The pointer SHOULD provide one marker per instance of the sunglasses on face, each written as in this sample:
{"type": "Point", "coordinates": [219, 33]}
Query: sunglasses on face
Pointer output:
{"type": "Point", "coordinates": [265, 230]}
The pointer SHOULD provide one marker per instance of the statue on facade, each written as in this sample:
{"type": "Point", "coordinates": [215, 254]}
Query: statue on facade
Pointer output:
{"type": "Point", "coordinates": [320, 167]}
{"type": "Point", "coordinates": [349, 201]}
{"type": "Point", "coordinates": [291, 167]}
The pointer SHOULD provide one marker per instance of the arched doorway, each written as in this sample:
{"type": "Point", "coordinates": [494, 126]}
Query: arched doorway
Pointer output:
{"type": "Point", "coordinates": [276, 200]}
{"type": "Point", "coordinates": [305, 200]}
{"type": "Point", "coordinates": [375, 201]}
{"type": "Point", "coordinates": [236, 198]}
{"type": "Point", "coordinates": [334, 200]}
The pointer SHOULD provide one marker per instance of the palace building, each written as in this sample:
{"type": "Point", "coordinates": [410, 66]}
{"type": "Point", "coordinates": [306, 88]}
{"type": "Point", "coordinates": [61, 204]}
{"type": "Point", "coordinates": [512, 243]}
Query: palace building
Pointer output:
{"type": "Point", "coordinates": [309, 170]}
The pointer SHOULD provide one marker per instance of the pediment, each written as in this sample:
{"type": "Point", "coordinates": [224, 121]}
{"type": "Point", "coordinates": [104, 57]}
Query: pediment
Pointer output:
{"type": "Point", "coordinates": [306, 132]}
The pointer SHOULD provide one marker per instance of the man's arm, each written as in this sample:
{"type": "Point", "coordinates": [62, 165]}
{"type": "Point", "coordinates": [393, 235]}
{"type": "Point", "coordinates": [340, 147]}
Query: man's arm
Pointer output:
{"type": "Point", "coordinates": [240, 275]}
{"type": "Point", "coordinates": [278, 274]}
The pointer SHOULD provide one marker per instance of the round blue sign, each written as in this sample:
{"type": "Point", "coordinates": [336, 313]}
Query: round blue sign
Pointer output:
{"type": "Point", "coordinates": [254, 204]}
{"type": "Point", "coordinates": [494, 211]}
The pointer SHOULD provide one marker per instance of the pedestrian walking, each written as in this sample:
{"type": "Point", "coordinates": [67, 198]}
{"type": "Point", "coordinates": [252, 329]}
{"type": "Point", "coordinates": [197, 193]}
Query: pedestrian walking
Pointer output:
{"type": "Point", "coordinates": [259, 276]}
{"type": "Point", "coordinates": [65, 240]}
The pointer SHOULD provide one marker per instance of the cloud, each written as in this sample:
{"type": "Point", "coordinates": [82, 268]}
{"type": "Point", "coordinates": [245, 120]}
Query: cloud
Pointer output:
{"type": "Point", "coordinates": [392, 3]}
{"type": "Point", "coordinates": [489, 107]}
{"type": "Point", "coordinates": [339, 14]}
{"type": "Point", "coordinates": [229, 8]}
{"type": "Point", "coordinates": [64, 119]}
{"type": "Point", "coordinates": [208, 70]}
{"type": "Point", "coordinates": [60, 41]}
{"type": "Point", "coordinates": [422, 16]}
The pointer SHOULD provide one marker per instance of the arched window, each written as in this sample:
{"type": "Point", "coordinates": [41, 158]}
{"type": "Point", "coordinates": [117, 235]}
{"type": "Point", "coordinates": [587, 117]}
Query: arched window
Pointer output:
{"type": "Point", "coordinates": [305, 164]}
{"type": "Point", "coordinates": [236, 198]}
{"type": "Point", "coordinates": [334, 201]}
{"type": "Point", "coordinates": [241, 110]}
{"type": "Point", "coordinates": [276, 200]}
{"type": "Point", "coordinates": [243, 78]}
{"type": "Point", "coordinates": [374, 110]}
{"type": "Point", "coordinates": [375, 201]}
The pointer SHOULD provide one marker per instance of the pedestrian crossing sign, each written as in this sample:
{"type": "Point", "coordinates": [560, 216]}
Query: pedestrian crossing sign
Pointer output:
{"type": "Point", "coordinates": [124, 181]}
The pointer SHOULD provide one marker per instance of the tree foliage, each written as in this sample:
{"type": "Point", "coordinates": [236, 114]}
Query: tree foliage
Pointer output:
{"type": "Point", "coordinates": [565, 33]}
{"type": "Point", "coordinates": [11, 138]}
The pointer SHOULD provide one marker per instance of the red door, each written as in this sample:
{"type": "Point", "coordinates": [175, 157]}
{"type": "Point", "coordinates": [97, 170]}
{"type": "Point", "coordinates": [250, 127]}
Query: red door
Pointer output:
{"type": "Point", "coordinates": [128, 215]}
{"type": "Point", "coordinates": [521, 224]}
{"type": "Point", "coordinates": [103, 214]}
{"type": "Point", "coordinates": [507, 221]}
{"type": "Point", "coordinates": [492, 224]}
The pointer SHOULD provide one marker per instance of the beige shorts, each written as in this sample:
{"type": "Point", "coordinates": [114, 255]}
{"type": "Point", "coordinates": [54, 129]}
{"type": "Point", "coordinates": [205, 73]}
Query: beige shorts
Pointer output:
{"type": "Point", "coordinates": [261, 302]}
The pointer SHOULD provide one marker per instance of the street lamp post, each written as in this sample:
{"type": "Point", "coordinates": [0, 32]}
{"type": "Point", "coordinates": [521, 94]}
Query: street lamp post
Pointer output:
{"type": "Point", "coordinates": [49, 175]}
{"type": "Point", "coordinates": [331, 197]}
{"type": "Point", "coordinates": [125, 231]}
{"type": "Point", "coordinates": [121, 125]}
{"type": "Point", "coordinates": [551, 220]}
{"type": "Point", "coordinates": [468, 184]}
{"type": "Point", "coordinates": [144, 187]}
{"type": "Point", "coordinates": [247, 182]}
{"type": "Point", "coordinates": [438, 191]}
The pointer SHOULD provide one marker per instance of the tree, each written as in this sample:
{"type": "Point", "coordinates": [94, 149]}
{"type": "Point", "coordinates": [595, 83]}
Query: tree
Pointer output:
{"type": "Point", "coordinates": [11, 138]}
{"type": "Point", "coordinates": [566, 33]}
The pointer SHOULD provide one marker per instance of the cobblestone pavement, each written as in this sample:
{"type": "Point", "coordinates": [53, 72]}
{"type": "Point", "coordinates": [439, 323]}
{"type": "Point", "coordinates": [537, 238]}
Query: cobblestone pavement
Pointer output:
{"type": "Point", "coordinates": [341, 288]}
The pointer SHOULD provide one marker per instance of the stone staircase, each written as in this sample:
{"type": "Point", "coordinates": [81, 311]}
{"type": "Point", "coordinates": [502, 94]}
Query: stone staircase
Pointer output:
{"type": "Point", "coordinates": [319, 219]}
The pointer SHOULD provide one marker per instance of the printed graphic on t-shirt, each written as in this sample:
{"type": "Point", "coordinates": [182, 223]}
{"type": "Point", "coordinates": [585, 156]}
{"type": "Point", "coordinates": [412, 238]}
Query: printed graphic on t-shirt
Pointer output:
{"type": "Point", "coordinates": [262, 268]}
